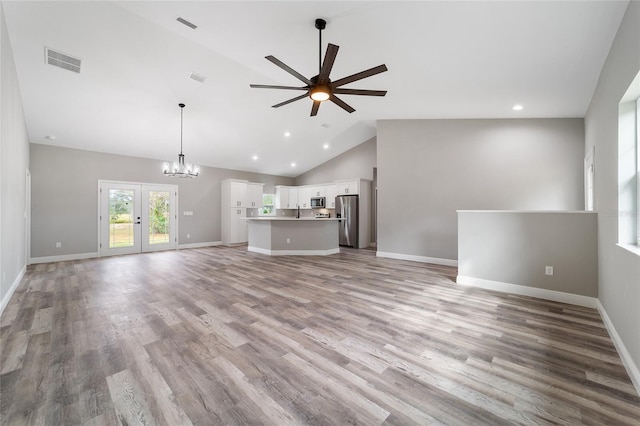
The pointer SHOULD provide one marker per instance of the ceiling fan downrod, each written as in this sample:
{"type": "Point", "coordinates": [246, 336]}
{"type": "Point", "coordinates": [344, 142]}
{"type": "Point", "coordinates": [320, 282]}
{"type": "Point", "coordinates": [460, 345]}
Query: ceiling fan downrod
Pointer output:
{"type": "Point", "coordinates": [321, 24]}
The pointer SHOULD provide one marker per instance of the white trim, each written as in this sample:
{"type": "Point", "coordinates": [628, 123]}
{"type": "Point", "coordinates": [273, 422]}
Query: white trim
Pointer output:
{"type": "Point", "coordinates": [414, 258]}
{"type": "Point", "coordinates": [556, 296]}
{"type": "Point", "coordinates": [627, 360]}
{"type": "Point", "coordinates": [199, 245]}
{"type": "Point", "coordinates": [526, 211]}
{"type": "Point", "coordinates": [630, 247]}
{"type": "Point", "coordinates": [63, 257]}
{"type": "Point", "coordinates": [293, 252]}
{"type": "Point", "coordinates": [5, 300]}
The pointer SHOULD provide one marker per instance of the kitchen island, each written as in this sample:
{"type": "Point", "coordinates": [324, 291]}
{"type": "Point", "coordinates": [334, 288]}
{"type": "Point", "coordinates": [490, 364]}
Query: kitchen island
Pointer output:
{"type": "Point", "coordinates": [293, 236]}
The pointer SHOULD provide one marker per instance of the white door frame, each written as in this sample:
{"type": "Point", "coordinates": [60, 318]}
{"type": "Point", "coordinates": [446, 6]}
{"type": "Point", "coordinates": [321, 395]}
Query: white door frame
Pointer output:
{"type": "Point", "coordinates": [27, 218]}
{"type": "Point", "coordinates": [142, 187]}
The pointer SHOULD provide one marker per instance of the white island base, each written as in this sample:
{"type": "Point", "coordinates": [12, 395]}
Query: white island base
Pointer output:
{"type": "Point", "coordinates": [277, 236]}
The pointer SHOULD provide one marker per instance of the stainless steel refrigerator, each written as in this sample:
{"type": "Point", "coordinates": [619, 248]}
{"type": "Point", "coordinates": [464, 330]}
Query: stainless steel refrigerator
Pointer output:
{"type": "Point", "coordinates": [347, 215]}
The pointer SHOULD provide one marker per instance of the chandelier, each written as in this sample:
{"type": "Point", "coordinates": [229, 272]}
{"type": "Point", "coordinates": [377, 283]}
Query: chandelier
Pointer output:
{"type": "Point", "coordinates": [180, 168]}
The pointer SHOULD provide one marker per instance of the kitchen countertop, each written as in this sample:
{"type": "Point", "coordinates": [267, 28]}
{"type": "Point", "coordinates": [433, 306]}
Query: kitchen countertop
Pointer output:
{"type": "Point", "coordinates": [279, 218]}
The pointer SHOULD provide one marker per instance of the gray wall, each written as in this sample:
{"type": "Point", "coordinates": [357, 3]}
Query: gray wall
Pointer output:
{"type": "Point", "coordinates": [619, 269]}
{"type": "Point", "coordinates": [358, 162]}
{"type": "Point", "coordinates": [428, 169]}
{"type": "Point", "coordinates": [515, 247]}
{"type": "Point", "coordinates": [65, 202]}
{"type": "Point", "coordinates": [14, 159]}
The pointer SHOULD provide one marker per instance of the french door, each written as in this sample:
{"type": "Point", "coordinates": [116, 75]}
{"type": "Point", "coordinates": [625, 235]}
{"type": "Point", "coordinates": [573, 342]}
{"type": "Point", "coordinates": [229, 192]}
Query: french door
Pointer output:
{"type": "Point", "coordinates": [136, 218]}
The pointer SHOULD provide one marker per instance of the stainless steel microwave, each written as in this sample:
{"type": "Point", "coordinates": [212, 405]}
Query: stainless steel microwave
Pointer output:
{"type": "Point", "coordinates": [317, 202]}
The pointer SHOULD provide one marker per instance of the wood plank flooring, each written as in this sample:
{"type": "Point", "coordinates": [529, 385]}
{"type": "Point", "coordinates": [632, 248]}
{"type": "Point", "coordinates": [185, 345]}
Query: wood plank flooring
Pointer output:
{"type": "Point", "coordinates": [222, 336]}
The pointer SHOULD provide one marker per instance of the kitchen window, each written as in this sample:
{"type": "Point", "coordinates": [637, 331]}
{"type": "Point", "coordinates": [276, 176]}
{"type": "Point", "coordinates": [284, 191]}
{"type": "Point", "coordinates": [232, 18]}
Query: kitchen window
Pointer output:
{"type": "Point", "coordinates": [268, 203]}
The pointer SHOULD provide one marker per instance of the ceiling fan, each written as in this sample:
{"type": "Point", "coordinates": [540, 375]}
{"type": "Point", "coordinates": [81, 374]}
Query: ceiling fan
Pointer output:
{"type": "Point", "coordinates": [320, 87]}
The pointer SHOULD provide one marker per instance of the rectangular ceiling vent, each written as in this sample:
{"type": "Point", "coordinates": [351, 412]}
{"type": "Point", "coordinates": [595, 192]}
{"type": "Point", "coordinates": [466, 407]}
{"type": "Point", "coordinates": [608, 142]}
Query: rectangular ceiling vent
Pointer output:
{"type": "Point", "coordinates": [62, 60]}
{"type": "Point", "coordinates": [197, 77]}
{"type": "Point", "coordinates": [187, 23]}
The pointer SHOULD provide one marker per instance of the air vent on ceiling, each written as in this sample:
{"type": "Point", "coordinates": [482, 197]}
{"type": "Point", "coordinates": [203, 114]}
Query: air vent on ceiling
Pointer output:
{"type": "Point", "coordinates": [197, 77]}
{"type": "Point", "coordinates": [187, 23]}
{"type": "Point", "coordinates": [62, 60]}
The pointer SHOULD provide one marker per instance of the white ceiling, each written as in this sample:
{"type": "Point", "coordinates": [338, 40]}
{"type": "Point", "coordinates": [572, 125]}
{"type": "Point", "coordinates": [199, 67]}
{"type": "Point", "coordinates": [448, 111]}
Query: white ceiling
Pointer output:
{"type": "Point", "coordinates": [446, 60]}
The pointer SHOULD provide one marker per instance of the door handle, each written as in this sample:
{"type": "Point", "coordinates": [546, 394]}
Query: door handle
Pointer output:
{"type": "Point", "coordinates": [136, 223]}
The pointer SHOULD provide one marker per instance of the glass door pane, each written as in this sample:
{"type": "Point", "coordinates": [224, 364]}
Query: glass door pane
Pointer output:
{"type": "Point", "coordinates": [121, 218]}
{"type": "Point", "coordinates": [136, 218]}
{"type": "Point", "coordinates": [159, 219]}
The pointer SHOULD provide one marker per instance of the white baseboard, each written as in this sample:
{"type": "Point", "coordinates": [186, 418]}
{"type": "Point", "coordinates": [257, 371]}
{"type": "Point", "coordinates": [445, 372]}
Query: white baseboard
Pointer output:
{"type": "Point", "coordinates": [293, 252]}
{"type": "Point", "coordinates": [5, 299]}
{"type": "Point", "coordinates": [199, 245]}
{"type": "Point", "coordinates": [627, 360]}
{"type": "Point", "coordinates": [523, 290]}
{"type": "Point", "coordinates": [414, 258]}
{"type": "Point", "coordinates": [62, 258]}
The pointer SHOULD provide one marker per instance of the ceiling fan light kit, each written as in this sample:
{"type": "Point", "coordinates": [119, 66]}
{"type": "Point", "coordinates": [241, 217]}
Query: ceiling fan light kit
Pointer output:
{"type": "Point", "coordinates": [320, 88]}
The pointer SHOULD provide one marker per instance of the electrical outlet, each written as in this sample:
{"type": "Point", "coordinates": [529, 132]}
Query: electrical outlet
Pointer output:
{"type": "Point", "coordinates": [188, 236]}
{"type": "Point", "coordinates": [548, 270]}
{"type": "Point", "coordinates": [288, 240]}
{"type": "Point", "coordinates": [58, 244]}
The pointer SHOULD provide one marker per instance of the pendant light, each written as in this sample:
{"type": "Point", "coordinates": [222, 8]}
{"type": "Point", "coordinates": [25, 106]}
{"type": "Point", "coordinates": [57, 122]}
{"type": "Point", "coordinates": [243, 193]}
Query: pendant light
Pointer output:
{"type": "Point", "coordinates": [180, 168]}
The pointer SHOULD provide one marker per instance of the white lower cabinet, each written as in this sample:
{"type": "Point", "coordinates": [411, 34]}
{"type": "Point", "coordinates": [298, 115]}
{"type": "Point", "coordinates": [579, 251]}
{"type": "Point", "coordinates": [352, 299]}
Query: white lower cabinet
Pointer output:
{"type": "Point", "coordinates": [234, 226]}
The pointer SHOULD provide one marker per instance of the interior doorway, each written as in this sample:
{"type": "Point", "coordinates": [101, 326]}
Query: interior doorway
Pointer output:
{"type": "Point", "coordinates": [136, 218]}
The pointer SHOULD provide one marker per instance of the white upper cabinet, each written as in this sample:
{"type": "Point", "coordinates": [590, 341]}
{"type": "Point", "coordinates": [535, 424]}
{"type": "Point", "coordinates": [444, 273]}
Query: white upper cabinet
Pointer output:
{"type": "Point", "coordinates": [254, 195]}
{"type": "Point", "coordinates": [241, 193]}
{"type": "Point", "coordinates": [290, 197]}
{"type": "Point", "coordinates": [282, 197]}
{"type": "Point", "coordinates": [348, 187]}
{"type": "Point", "coordinates": [286, 197]}
{"type": "Point", "coordinates": [304, 196]}
{"type": "Point", "coordinates": [318, 191]}
{"type": "Point", "coordinates": [293, 197]}
{"type": "Point", "coordinates": [330, 194]}
{"type": "Point", "coordinates": [237, 193]}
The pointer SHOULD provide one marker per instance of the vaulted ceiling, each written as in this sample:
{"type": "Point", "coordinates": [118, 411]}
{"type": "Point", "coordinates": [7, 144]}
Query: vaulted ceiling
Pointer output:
{"type": "Point", "coordinates": [446, 60]}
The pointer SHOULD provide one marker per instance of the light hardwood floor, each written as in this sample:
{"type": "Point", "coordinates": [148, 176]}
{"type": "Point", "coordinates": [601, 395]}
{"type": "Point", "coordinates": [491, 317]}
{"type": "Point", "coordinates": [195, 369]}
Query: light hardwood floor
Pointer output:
{"type": "Point", "coordinates": [222, 336]}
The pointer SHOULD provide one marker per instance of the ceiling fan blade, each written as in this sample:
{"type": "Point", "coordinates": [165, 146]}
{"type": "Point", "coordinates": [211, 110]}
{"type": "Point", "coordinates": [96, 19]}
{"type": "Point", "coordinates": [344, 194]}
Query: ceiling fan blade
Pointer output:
{"type": "Point", "coordinates": [342, 104]}
{"type": "Point", "coordinates": [359, 92]}
{"type": "Point", "coordinates": [268, 86]}
{"type": "Point", "coordinates": [359, 76]}
{"type": "Point", "coordinates": [314, 108]}
{"type": "Point", "coordinates": [327, 64]}
{"type": "Point", "coordinates": [297, 98]}
{"type": "Point", "coordinates": [288, 69]}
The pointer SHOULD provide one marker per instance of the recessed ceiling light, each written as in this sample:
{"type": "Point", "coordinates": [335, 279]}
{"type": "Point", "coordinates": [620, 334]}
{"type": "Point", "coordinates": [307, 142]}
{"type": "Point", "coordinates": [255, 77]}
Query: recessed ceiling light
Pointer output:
{"type": "Point", "coordinates": [517, 107]}
{"type": "Point", "coordinates": [293, 164]}
{"type": "Point", "coordinates": [50, 137]}
{"type": "Point", "coordinates": [287, 134]}
{"type": "Point", "coordinates": [325, 146]}
{"type": "Point", "coordinates": [255, 157]}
